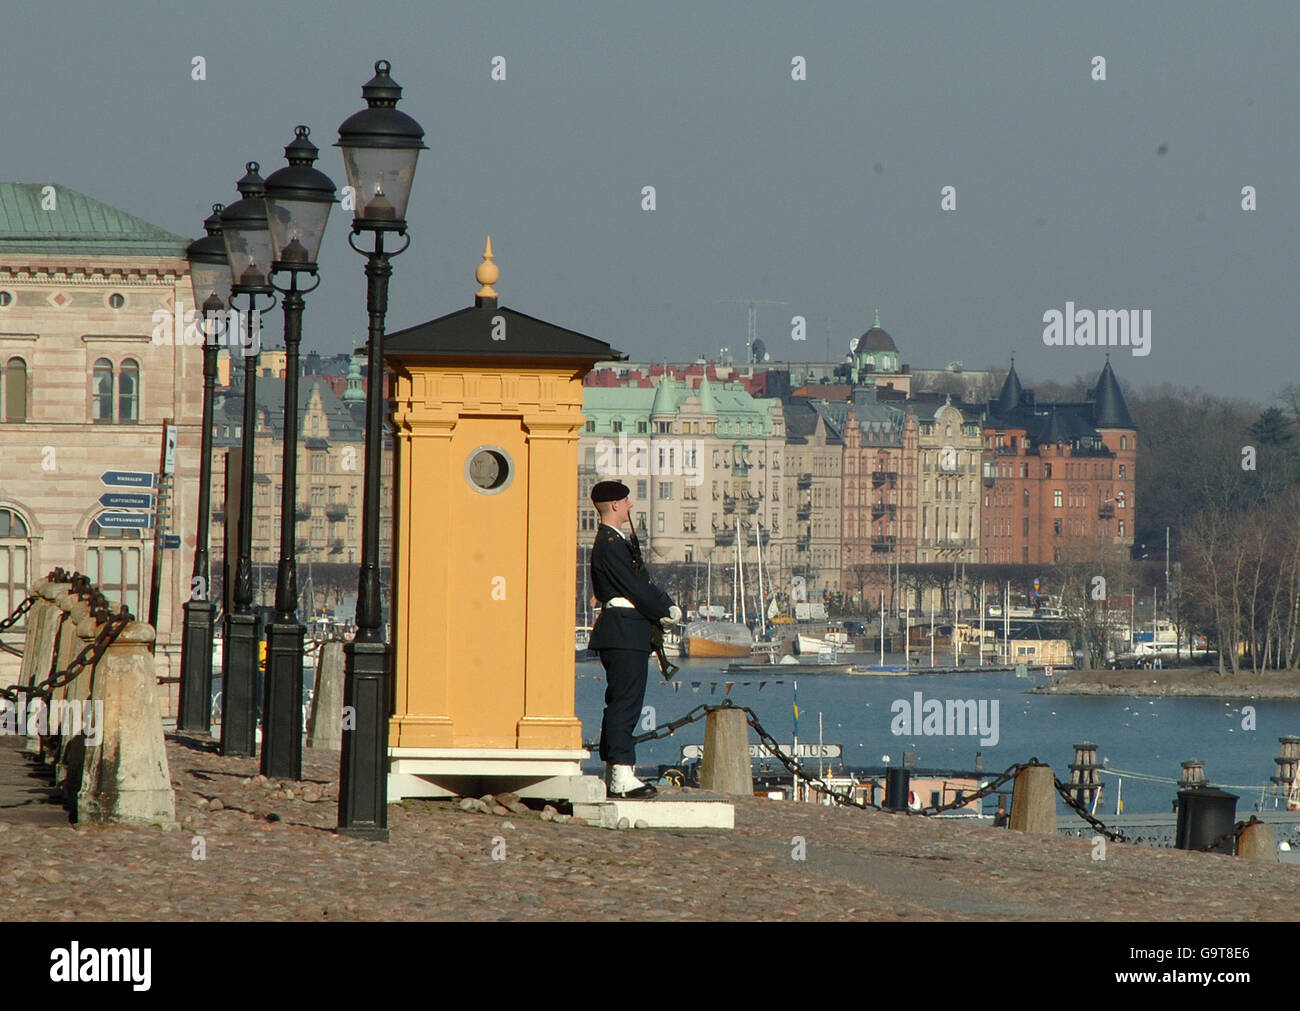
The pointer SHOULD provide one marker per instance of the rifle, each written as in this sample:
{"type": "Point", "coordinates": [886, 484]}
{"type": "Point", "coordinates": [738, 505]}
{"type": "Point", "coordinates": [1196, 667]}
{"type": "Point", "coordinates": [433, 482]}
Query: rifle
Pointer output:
{"type": "Point", "coordinates": [657, 632]}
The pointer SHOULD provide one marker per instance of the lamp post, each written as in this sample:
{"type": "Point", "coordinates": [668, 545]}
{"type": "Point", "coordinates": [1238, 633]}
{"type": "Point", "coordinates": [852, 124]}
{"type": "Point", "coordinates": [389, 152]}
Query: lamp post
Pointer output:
{"type": "Point", "coordinates": [380, 147]}
{"type": "Point", "coordinates": [298, 203]}
{"type": "Point", "coordinates": [248, 247]}
{"type": "Point", "coordinates": [210, 276]}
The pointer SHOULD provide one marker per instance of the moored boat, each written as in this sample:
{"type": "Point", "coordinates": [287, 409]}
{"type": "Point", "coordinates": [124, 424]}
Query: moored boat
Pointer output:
{"type": "Point", "coordinates": [717, 638]}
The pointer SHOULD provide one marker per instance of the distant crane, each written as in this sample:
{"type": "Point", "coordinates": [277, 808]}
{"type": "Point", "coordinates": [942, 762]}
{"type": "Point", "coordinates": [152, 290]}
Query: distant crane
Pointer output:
{"type": "Point", "coordinates": [753, 304]}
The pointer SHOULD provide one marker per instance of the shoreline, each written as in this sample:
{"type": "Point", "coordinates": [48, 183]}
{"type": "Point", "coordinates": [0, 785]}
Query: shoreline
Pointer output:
{"type": "Point", "coordinates": [1182, 682]}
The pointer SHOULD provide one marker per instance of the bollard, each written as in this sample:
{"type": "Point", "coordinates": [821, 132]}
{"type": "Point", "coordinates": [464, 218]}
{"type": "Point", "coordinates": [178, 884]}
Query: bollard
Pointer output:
{"type": "Point", "coordinates": [325, 728]}
{"type": "Point", "coordinates": [1205, 813]}
{"type": "Point", "coordinates": [897, 784]}
{"type": "Point", "coordinates": [1258, 842]}
{"type": "Point", "coordinates": [70, 643]}
{"type": "Point", "coordinates": [41, 645]}
{"type": "Point", "coordinates": [69, 745]}
{"type": "Point", "coordinates": [1033, 800]}
{"type": "Point", "coordinates": [725, 765]}
{"type": "Point", "coordinates": [125, 777]}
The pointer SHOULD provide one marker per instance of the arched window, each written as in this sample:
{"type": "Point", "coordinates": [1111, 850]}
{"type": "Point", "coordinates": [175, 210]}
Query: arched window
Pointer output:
{"type": "Point", "coordinates": [15, 390]}
{"type": "Point", "coordinates": [113, 563]}
{"type": "Point", "coordinates": [128, 391]}
{"type": "Point", "coordinates": [102, 391]}
{"type": "Point", "coordinates": [15, 553]}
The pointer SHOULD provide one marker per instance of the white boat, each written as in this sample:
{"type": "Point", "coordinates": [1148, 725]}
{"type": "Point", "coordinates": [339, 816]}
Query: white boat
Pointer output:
{"type": "Point", "coordinates": [833, 640]}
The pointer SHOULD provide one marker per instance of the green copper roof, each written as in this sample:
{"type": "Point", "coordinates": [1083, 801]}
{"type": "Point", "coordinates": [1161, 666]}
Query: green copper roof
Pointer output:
{"type": "Point", "coordinates": [47, 218]}
{"type": "Point", "coordinates": [707, 404]}
{"type": "Point", "coordinates": [665, 401]}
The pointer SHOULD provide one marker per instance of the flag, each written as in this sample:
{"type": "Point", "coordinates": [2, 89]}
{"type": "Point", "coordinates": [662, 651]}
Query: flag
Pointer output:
{"type": "Point", "coordinates": [695, 687]}
{"type": "Point", "coordinates": [713, 688]}
{"type": "Point", "coordinates": [761, 685]}
{"type": "Point", "coordinates": [676, 685]}
{"type": "Point", "coordinates": [730, 685]}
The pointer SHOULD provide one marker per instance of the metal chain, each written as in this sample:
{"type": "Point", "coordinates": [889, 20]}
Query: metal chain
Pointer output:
{"type": "Point", "coordinates": [111, 627]}
{"type": "Point", "coordinates": [1082, 812]}
{"type": "Point", "coordinates": [1234, 834]}
{"type": "Point", "coordinates": [793, 766]}
{"type": "Point", "coordinates": [19, 611]}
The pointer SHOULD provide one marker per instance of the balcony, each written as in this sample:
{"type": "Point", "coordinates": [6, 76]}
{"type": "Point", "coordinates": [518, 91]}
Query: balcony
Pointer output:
{"type": "Point", "coordinates": [1106, 512]}
{"type": "Point", "coordinates": [728, 504]}
{"type": "Point", "coordinates": [336, 511]}
{"type": "Point", "coordinates": [724, 536]}
{"type": "Point", "coordinates": [804, 512]}
{"type": "Point", "coordinates": [880, 545]}
{"type": "Point", "coordinates": [752, 505]}
{"type": "Point", "coordinates": [879, 509]}
{"type": "Point", "coordinates": [804, 481]}
{"type": "Point", "coordinates": [879, 477]}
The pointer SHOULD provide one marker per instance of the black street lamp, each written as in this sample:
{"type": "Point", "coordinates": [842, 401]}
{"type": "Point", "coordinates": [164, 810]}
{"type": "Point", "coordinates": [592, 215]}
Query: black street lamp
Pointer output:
{"type": "Point", "coordinates": [248, 246]}
{"type": "Point", "coordinates": [298, 202]}
{"type": "Point", "coordinates": [210, 276]}
{"type": "Point", "coordinates": [380, 146]}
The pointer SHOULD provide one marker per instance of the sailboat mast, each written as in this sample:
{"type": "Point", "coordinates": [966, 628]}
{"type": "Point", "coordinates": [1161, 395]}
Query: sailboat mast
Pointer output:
{"type": "Point", "coordinates": [762, 612]}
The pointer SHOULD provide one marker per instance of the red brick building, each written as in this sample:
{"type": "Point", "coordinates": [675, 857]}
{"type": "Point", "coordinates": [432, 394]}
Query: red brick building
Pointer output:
{"type": "Point", "coordinates": [1058, 478]}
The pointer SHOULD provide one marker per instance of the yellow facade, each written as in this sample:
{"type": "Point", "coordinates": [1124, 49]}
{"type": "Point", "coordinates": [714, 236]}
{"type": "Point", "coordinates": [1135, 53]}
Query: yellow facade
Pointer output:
{"type": "Point", "coordinates": [484, 583]}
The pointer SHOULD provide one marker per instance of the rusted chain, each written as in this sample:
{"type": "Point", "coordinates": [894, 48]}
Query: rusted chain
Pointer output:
{"type": "Point", "coordinates": [111, 624]}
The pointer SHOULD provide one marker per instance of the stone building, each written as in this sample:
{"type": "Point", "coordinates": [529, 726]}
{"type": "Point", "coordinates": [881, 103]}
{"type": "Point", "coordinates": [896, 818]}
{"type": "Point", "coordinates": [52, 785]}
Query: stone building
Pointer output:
{"type": "Point", "coordinates": [331, 472]}
{"type": "Point", "coordinates": [949, 444]}
{"type": "Point", "coordinates": [85, 389]}
{"type": "Point", "coordinates": [702, 460]}
{"type": "Point", "coordinates": [814, 452]}
{"type": "Point", "coordinates": [1058, 478]}
{"type": "Point", "coordinates": [879, 521]}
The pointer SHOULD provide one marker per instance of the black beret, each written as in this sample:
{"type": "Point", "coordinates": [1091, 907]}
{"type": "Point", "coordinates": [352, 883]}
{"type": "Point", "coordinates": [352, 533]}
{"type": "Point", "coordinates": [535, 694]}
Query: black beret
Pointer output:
{"type": "Point", "coordinates": [609, 491]}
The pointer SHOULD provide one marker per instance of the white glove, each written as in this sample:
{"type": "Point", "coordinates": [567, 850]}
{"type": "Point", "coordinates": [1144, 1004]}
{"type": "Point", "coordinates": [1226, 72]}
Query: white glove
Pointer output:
{"type": "Point", "coordinates": [674, 616]}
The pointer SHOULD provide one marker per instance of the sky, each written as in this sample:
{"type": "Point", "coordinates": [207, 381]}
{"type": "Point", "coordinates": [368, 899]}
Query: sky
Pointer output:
{"type": "Point", "coordinates": [824, 193]}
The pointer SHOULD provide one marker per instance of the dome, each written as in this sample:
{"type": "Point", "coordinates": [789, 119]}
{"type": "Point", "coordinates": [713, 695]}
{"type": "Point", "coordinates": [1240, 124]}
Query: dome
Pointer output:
{"type": "Point", "coordinates": [875, 339]}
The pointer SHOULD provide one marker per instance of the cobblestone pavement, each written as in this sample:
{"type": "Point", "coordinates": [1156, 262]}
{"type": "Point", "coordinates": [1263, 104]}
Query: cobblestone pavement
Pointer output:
{"type": "Point", "coordinates": [272, 856]}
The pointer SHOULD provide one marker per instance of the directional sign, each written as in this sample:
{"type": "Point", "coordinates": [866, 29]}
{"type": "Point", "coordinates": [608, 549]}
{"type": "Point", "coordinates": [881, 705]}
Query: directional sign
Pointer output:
{"type": "Point", "coordinates": [123, 520]}
{"type": "Point", "coordinates": [763, 751]}
{"type": "Point", "coordinates": [171, 540]}
{"type": "Point", "coordinates": [126, 500]}
{"type": "Point", "coordinates": [127, 479]}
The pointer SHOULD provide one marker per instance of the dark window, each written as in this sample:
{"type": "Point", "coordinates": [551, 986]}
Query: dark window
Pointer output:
{"type": "Point", "coordinates": [102, 391]}
{"type": "Point", "coordinates": [128, 391]}
{"type": "Point", "coordinates": [15, 550]}
{"type": "Point", "coordinates": [15, 391]}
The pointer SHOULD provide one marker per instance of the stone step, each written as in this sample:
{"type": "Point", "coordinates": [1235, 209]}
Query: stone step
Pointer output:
{"type": "Point", "coordinates": [665, 811]}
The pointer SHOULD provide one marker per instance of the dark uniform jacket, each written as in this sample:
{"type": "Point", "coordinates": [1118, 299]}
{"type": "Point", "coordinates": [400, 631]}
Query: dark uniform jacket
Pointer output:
{"type": "Point", "coordinates": [613, 574]}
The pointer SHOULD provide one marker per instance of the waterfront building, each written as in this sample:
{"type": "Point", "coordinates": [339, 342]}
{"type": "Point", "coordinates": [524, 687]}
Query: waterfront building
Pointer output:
{"type": "Point", "coordinates": [1058, 478]}
{"type": "Point", "coordinates": [949, 443]}
{"type": "Point", "coordinates": [702, 459]}
{"type": "Point", "coordinates": [814, 452]}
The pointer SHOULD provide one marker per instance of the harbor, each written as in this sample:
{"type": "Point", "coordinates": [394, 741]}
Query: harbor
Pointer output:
{"type": "Point", "coordinates": [851, 715]}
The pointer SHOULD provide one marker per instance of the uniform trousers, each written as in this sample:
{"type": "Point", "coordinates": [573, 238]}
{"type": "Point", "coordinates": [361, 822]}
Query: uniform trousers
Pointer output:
{"type": "Point", "coordinates": [625, 683]}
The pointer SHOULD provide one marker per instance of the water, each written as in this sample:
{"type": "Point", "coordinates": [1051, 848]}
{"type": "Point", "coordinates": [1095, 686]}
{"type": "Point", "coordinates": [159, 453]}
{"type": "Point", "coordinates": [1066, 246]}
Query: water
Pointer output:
{"type": "Point", "coordinates": [1133, 734]}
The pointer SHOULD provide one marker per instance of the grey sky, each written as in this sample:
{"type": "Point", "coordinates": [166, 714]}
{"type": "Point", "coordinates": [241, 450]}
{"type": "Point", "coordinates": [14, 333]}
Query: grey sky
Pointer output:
{"type": "Point", "coordinates": [823, 193]}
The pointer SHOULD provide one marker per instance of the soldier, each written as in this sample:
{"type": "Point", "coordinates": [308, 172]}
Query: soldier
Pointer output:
{"type": "Point", "coordinates": [630, 607]}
